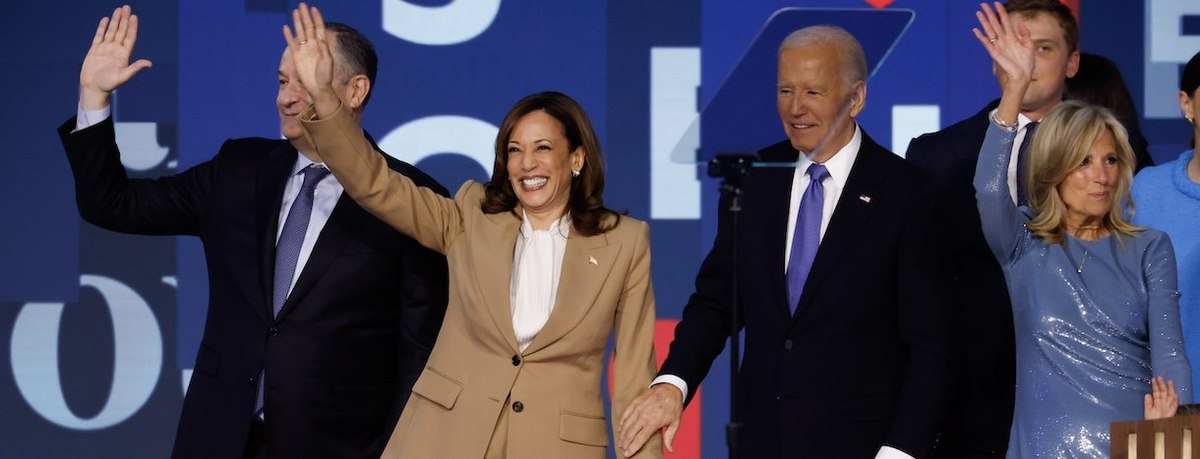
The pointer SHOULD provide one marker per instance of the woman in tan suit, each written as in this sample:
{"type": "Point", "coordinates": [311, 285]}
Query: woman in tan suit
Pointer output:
{"type": "Point", "coordinates": [541, 273]}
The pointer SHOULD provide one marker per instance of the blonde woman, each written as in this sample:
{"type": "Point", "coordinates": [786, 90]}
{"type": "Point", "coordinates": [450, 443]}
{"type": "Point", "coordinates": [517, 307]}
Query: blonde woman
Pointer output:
{"type": "Point", "coordinates": [1095, 306]}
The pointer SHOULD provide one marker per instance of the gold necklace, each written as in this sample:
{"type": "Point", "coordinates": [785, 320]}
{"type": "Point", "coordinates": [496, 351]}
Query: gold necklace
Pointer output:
{"type": "Point", "coordinates": [1079, 270]}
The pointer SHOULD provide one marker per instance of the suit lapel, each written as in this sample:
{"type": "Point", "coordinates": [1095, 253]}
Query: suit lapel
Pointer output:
{"type": "Point", "coordinates": [851, 214]}
{"type": "Point", "coordinates": [764, 224]}
{"type": "Point", "coordinates": [493, 270]}
{"type": "Point", "coordinates": [587, 262]}
{"type": "Point", "coordinates": [777, 181]}
{"type": "Point", "coordinates": [270, 179]}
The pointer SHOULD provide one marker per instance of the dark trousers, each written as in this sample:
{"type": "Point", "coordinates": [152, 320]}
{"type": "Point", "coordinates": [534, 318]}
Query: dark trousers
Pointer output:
{"type": "Point", "coordinates": [256, 444]}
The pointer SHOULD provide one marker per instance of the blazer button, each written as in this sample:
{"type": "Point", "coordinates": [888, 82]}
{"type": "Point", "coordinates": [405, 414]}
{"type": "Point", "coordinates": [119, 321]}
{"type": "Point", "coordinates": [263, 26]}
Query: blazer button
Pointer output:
{"type": "Point", "coordinates": [787, 344]}
{"type": "Point", "coordinates": [518, 407]}
{"type": "Point", "coordinates": [252, 380]}
{"type": "Point", "coordinates": [516, 360]}
{"type": "Point", "coordinates": [273, 331]}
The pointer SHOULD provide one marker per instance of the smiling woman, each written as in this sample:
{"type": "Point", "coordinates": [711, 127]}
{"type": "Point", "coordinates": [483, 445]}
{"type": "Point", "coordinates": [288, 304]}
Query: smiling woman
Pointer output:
{"type": "Point", "coordinates": [548, 160]}
{"type": "Point", "coordinates": [517, 367]}
{"type": "Point", "coordinates": [1095, 306]}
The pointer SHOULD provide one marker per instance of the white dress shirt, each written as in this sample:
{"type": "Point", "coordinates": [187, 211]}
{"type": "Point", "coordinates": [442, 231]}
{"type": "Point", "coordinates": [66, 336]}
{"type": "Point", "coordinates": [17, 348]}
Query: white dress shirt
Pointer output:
{"type": "Point", "coordinates": [537, 266]}
{"type": "Point", "coordinates": [327, 192]}
{"type": "Point", "coordinates": [839, 166]}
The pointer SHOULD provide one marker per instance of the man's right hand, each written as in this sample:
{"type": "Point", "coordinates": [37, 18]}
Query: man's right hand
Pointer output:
{"type": "Point", "coordinates": [107, 66]}
{"type": "Point", "coordinates": [658, 407]}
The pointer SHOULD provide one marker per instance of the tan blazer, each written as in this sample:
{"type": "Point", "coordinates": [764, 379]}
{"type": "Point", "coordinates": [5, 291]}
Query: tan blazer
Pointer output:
{"type": "Point", "coordinates": [479, 396]}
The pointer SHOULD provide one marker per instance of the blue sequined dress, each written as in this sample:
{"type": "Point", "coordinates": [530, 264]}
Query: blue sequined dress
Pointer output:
{"type": "Point", "coordinates": [1094, 320]}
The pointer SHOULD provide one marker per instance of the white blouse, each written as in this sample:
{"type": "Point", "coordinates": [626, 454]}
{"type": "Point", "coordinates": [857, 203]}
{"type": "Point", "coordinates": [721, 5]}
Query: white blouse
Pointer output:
{"type": "Point", "coordinates": [537, 266]}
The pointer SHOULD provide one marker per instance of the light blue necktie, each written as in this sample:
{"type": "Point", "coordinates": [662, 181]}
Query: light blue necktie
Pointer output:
{"type": "Point", "coordinates": [287, 251]}
{"type": "Point", "coordinates": [807, 235]}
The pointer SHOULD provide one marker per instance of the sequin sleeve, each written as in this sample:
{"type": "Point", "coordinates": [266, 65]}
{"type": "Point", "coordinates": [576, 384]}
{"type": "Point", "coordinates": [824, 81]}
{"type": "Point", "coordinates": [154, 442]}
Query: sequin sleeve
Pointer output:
{"type": "Point", "coordinates": [1002, 221]}
{"type": "Point", "coordinates": [1167, 355]}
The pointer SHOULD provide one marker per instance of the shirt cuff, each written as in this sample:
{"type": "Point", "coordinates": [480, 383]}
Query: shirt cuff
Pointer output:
{"type": "Point", "coordinates": [674, 381]}
{"type": "Point", "coordinates": [87, 118]}
{"type": "Point", "coordinates": [887, 452]}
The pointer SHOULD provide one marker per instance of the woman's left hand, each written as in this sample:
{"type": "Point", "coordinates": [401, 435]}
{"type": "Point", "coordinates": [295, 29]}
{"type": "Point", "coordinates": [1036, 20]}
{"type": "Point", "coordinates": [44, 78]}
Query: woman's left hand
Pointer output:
{"type": "Point", "coordinates": [1011, 49]}
{"type": "Point", "coordinates": [1162, 401]}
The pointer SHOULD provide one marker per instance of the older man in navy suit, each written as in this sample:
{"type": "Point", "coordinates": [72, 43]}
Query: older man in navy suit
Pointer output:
{"type": "Point", "coordinates": [320, 316]}
{"type": "Point", "coordinates": [841, 284]}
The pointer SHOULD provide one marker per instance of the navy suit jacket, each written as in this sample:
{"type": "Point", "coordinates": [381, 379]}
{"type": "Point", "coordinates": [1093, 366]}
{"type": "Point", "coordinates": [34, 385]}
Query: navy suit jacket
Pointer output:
{"type": "Point", "coordinates": [353, 336]}
{"type": "Point", "coordinates": [863, 362]}
{"type": "Point", "coordinates": [981, 407]}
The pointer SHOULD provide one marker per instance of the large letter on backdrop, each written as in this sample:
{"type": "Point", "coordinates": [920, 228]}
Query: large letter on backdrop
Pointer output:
{"type": "Point", "coordinates": [452, 23]}
{"type": "Point", "coordinates": [138, 356]}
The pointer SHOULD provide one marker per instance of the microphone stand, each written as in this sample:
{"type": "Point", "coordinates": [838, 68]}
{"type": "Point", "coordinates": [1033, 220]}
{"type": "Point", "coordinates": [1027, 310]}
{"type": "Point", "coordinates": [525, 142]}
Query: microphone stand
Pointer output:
{"type": "Point", "coordinates": [732, 169]}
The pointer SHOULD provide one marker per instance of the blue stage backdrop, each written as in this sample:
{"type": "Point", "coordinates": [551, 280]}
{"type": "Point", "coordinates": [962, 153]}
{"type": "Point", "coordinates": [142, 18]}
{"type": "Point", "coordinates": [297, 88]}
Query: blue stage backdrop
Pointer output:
{"type": "Point", "coordinates": [98, 331]}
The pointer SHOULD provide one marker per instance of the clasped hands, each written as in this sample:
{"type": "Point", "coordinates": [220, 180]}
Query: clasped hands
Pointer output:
{"type": "Point", "coordinates": [656, 408]}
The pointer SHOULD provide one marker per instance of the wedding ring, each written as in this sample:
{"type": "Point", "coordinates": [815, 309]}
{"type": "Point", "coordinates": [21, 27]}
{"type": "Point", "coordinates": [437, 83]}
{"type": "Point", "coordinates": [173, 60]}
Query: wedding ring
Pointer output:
{"type": "Point", "coordinates": [306, 41]}
{"type": "Point", "coordinates": [992, 40]}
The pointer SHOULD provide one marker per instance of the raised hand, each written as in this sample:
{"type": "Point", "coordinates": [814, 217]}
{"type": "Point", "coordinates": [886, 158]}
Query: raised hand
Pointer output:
{"type": "Point", "coordinates": [313, 57]}
{"type": "Point", "coordinates": [106, 66]}
{"type": "Point", "coordinates": [1012, 53]}
{"type": "Point", "coordinates": [657, 408]}
{"type": "Point", "coordinates": [1162, 401]}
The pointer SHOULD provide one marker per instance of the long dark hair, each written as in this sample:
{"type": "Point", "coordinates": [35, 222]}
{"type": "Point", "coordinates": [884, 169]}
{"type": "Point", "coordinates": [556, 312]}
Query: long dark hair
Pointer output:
{"type": "Point", "coordinates": [586, 201]}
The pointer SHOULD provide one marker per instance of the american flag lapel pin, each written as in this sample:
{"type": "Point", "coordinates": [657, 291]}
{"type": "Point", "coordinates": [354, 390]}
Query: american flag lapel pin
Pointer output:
{"type": "Point", "coordinates": [864, 198]}
{"type": "Point", "coordinates": [592, 261]}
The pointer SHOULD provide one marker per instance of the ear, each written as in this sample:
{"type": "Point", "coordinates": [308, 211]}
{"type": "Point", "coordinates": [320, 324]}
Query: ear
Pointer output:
{"type": "Point", "coordinates": [578, 159]}
{"type": "Point", "coordinates": [356, 91]}
{"type": "Point", "coordinates": [858, 98]}
{"type": "Point", "coordinates": [1185, 105]}
{"type": "Point", "coordinates": [1073, 64]}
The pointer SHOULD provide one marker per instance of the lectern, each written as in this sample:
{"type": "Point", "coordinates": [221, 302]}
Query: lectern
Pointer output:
{"type": "Point", "coordinates": [1169, 438]}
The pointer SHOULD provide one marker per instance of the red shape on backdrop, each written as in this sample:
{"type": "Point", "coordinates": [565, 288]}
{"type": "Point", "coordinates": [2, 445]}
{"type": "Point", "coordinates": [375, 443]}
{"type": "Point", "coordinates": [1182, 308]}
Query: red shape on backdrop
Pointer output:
{"type": "Point", "coordinates": [880, 4]}
{"type": "Point", "coordinates": [687, 438]}
{"type": "Point", "coordinates": [1074, 6]}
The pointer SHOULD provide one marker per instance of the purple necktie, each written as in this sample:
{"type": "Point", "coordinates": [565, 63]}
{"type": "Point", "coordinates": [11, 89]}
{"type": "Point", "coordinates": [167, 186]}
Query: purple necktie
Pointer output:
{"type": "Point", "coordinates": [287, 252]}
{"type": "Point", "coordinates": [807, 235]}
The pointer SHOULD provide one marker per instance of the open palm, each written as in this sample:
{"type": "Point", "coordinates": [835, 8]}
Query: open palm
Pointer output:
{"type": "Point", "coordinates": [1008, 44]}
{"type": "Point", "coordinates": [106, 66]}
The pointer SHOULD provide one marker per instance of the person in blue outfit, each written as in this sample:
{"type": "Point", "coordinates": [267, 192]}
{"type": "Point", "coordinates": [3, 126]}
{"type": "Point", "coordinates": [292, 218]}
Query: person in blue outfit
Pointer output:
{"type": "Point", "coordinates": [1168, 198]}
{"type": "Point", "coordinates": [1095, 305]}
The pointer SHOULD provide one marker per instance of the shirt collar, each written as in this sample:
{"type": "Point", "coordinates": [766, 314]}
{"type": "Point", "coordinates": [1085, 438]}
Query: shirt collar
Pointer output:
{"type": "Point", "coordinates": [301, 163]}
{"type": "Point", "coordinates": [555, 226]}
{"type": "Point", "coordinates": [840, 163]}
{"type": "Point", "coordinates": [1022, 121]}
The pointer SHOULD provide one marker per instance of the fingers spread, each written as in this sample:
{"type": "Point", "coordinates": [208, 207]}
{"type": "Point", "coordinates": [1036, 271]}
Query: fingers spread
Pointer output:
{"type": "Point", "coordinates": [100, 29]}
{"type": "Point", "coordinates": [131, 32]}
{"type": "Point", "coordinates": [112, 25]}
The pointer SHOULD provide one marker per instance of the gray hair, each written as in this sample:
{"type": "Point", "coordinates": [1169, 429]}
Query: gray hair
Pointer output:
{"type": "Point", "coordinates": [854, 61]}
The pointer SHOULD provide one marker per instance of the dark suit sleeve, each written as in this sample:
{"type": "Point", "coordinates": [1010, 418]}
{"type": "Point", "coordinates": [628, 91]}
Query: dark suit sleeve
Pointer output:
{"type": "Point", "coordinates": [704, 326]}
{"type": "Point", "coordinates": [924, 319]}
{"type": "Point", "coordinates": [108, 198]}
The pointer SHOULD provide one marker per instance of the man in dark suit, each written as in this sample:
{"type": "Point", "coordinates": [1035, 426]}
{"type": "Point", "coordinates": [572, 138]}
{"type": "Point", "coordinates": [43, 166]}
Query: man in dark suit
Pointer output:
{"type": "Point", "coordinates": [309, 350]}
{"type": "Point", "coordinates": [981, 408]}
{"type": "Point", "coordinates": [846, 347]}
